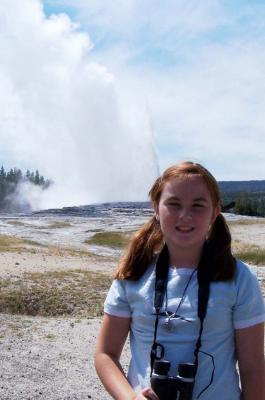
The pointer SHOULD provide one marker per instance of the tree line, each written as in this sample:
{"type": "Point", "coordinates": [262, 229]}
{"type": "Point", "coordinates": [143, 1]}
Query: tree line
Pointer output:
{"type": "Point", "coordinates": [10, 180]}
{"type": "Point", "coordinates": [246, 203]}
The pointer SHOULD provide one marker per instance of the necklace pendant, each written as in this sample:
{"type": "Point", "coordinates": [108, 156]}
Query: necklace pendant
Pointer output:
{"type": "Point", "coordinates": [168, 324]}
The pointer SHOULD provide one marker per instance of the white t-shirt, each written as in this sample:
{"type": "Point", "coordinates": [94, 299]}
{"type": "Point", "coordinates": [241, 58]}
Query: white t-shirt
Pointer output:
{"type": "Point", "coordinates": [232, 305]}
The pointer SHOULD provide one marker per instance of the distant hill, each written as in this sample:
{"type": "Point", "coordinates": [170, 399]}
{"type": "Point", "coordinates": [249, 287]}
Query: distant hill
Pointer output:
{"type": "Point", "coordinates": [243, 197]}
{"type": "Point", "coordinates": [242, 186]}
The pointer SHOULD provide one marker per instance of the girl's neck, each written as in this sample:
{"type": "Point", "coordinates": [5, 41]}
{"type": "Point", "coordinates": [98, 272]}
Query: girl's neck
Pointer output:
{"type": "Point", "coordinates": [183, 258]}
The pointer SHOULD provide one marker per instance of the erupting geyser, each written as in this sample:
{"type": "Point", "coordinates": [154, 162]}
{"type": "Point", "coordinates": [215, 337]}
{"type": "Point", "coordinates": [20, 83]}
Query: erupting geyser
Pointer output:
{"type": "Point", "coordinates": [63, 114]}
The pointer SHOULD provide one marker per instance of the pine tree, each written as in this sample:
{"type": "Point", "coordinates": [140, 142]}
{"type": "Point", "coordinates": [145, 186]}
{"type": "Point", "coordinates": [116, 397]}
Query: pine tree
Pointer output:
{"type": "Point", "coordinates": [9, 181]}
{"type": "Point", "coordinates": [2, 173]}
{"type": "Point", "coordinates": [42, 181]}
{"type": "Point", "coordinates": [37, 178]}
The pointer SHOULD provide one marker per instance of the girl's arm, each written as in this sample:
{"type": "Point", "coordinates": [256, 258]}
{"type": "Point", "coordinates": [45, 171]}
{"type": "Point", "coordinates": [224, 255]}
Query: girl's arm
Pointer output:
{"type": "Point", "coordinates": [250, 353]}
{"type": "Point", "coordinates": [110, 342]}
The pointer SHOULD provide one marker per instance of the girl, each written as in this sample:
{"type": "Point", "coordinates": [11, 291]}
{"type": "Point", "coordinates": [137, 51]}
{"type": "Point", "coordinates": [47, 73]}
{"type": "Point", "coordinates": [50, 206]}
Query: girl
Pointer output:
{"type": "Point", "coordinates": [188, 225]}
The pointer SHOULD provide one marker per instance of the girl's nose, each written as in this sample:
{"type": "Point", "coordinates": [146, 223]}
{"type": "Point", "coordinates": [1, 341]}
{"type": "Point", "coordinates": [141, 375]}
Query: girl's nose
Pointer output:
{"type": "Point", "coordinates": [185, 215]}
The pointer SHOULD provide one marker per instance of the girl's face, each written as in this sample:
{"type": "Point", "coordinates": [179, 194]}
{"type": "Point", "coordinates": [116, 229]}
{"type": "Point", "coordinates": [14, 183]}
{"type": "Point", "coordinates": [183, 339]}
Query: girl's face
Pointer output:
{"type": "Point", "coordinates": [186, 213]}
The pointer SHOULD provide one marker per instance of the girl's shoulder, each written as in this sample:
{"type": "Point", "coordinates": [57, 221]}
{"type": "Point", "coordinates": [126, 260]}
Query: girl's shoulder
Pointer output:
{"type": "Point", "coordinates": [124, 293]}
{"type": "Point", "coordinates": [243, 270]}
{"type": "Point", "coordinates": [246, 276]}
{"type": "Point", "coordinates": [128, 284]}
{"type": "Point", "coordinates": [148, 275]}
{"type": "Point", "coordinates": [249, 306]}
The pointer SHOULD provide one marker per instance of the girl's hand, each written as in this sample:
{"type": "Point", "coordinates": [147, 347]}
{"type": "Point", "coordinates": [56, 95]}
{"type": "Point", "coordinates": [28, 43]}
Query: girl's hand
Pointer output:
{"type": "Point", "coordinates": [146, 393]}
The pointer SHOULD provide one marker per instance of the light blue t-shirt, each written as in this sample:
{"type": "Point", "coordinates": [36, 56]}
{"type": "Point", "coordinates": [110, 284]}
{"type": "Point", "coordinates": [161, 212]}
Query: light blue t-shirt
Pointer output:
{"type": "Point", "coordinates": [232, 305]}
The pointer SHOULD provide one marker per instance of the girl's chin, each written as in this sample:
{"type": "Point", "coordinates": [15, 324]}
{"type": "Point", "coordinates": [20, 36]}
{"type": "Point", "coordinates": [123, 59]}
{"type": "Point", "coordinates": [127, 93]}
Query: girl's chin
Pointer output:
{"type": "Point", "coordinates": [187, 241]}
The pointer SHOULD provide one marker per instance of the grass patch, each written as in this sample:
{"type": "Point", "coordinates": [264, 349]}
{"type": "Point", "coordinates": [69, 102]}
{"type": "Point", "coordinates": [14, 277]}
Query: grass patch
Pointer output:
{"type": "Point", "coordinates": [254, 255]}
{"type": "Point", "coordinates": [73, 292]}
{"type": "Point", "coordinates": [56, 225]}
{"type": "Point", "coordinates": [15, 244]}
{"type": "Point", "coordinates": [26, 322]}
{"type": "Point", "coordinates": [8, 243]}
{"type": "Point", "coordinates": [33, 243]}
{"type": "Point", "coordinates": [250, 254]}
{"type": "Point", "coordinates": [246, 222]}
{"type": "Point", "coordinates": [69, 251]}
{"type": "Point", "coordinates": [4, 283]}
{"type": "Point", "coordinates": [15, 223]}
{"type": "Point", "coordinates": [50, 336]}
{"type": "Point", "coordinates": [110, 239]}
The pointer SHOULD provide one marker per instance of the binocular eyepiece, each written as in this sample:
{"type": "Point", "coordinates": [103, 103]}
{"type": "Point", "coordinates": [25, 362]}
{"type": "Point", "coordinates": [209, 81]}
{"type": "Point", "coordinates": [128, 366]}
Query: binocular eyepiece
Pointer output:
{"type": "Point", "coordinates": [177, 387]}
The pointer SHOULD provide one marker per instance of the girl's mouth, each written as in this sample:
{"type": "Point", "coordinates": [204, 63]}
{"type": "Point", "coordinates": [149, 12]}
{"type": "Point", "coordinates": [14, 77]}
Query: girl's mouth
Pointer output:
{"type": "Point", "coordinates": [184, 229]}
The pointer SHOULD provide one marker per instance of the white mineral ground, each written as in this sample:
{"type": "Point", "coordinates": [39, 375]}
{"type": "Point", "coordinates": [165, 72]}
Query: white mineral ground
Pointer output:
{"type": "Point", "coordinates": [52, 358]}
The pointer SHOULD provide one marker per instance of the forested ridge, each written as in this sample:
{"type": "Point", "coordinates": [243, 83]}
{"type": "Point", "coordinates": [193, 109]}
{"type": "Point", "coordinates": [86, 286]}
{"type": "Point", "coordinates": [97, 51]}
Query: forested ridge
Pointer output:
{"type": "Point", "coordinates": [248, 196]}
{"type": "Point", "coordinates": [9, 184]}
{"type": "Point", "coordinates": [242, 186]}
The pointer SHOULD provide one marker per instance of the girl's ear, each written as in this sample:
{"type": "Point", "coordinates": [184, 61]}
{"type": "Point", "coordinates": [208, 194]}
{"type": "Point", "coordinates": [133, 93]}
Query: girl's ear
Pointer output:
{"type": "Point", "coordinates": [216, 212]}
{"type": "Point", "coordinates": [155, 206]}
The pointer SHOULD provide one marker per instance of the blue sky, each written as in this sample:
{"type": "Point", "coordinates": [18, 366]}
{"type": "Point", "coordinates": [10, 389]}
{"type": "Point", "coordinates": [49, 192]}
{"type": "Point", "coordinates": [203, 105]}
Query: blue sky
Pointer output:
{"type": "Point", "coordinates": [115, 88]}
{"type": "Point", "coordinates": [158, 42]}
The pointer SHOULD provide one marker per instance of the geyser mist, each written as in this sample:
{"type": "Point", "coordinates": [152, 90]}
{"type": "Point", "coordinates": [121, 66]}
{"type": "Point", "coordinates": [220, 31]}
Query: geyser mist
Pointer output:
{"type": "Point", "coordinates": [64, 115]}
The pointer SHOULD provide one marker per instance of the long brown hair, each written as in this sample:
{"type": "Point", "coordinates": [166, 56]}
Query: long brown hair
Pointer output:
{"type": "Point", "coordinates": [148, 241]}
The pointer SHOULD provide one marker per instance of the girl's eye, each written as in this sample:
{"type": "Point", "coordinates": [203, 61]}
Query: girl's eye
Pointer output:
{"type": "Point", "coordinates": [174, 204]}
{"type": "Point", "coordinates": [198, 205]}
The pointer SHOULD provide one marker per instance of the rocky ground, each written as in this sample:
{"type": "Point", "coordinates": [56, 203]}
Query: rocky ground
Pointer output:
{"type": "Point", "coordinates": [51, 358]}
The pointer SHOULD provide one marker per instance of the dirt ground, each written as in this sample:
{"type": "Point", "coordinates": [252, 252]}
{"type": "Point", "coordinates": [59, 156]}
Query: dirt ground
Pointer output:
{"type": "Point", "coordinates": [49, 358]}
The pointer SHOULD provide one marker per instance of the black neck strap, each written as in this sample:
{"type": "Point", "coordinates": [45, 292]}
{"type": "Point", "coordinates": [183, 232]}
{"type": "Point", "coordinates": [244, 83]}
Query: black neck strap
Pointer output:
{"type": "Point", "coordinates": [162, 267]}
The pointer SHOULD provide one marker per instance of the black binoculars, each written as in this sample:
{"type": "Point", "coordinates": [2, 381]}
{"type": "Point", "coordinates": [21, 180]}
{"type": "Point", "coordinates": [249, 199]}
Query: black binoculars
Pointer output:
{"type": "Point", "coordinates": [177, 387]}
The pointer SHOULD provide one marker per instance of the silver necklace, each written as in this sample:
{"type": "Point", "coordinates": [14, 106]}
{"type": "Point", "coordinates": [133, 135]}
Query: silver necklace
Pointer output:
{"type": "Point", "coordinates": [168, 324]}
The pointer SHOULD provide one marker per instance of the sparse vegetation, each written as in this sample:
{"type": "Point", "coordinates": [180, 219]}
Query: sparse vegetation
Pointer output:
{"type": "Point", "coordinates": [72, 292]}
{"type": "Point", "coordinates": [10, 243]}
{"type": "Point", "coordinates": [251, 254]}
{"type": "Point", "coordinates": [247, 221]}
{"type": "Point", "coordinates": [59, 225]}
{"type": "Point", "coordinates": [15, 222]}
{"type": "Point", "coordinates": [111, 239]}
{"type": "Point", "coordinates": [50, 336]}
{"type": "Point", "coordinates": [55, 225]}
{"type": "Point", "coordinates": [26, 322]}
{"type": "Point", "coordinates": [51, 225]}
{"type": "Point", "coordinates": [16, 244]}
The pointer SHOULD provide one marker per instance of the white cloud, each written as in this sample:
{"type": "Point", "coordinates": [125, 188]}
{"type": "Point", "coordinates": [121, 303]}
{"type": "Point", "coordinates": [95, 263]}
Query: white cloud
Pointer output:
{"type": "Point", "coordinates": [214, 110]}
{"type": "Point", "coordinates": [62, 112]}
{"type": "Point", "coordinates": [205, 91]}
